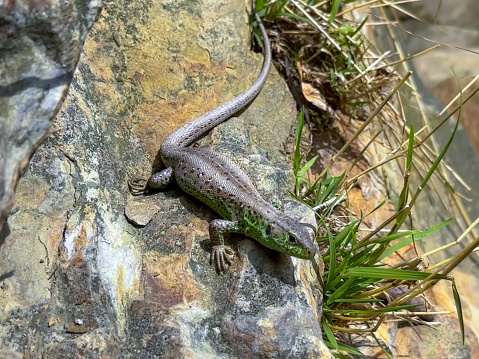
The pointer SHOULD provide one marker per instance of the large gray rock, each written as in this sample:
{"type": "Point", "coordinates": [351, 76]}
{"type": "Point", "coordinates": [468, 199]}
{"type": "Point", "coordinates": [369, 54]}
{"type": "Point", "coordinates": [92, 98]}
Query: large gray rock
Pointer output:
{"type": "Point", "coordinates": [40, 44]}
{"type": "Point", "coordinates": [80, 279]}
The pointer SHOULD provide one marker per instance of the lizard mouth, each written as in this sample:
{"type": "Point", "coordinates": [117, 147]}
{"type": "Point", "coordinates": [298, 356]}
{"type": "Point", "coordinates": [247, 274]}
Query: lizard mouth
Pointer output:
{"type": "Point", "coordinates": [312, 253]}
{"type": "Point", "coordinates": [309, 252]}
{"type": "Point", "coordinates": [299, 251]}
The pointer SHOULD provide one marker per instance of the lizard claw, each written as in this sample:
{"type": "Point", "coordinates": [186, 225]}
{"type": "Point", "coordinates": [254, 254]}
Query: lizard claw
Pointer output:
{"type": "Point", "coordinates": [220, 257]}
{"type": "Point", "coordinates": [137, 186]}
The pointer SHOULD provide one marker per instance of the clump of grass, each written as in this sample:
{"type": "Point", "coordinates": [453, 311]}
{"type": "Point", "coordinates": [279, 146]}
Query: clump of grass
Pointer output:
{"type": "Point", "coordinates": [343, 81]}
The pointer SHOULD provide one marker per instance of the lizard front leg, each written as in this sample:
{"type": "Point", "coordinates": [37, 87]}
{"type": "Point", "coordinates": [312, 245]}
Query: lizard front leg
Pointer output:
{"type": "Point", "coordinates": [219, 253]}
{"type": "Point", "coordinates": [159, 180]}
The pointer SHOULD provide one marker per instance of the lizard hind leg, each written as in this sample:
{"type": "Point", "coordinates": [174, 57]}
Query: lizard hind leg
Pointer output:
{"type": "Point", "coordinates": [159, 180]}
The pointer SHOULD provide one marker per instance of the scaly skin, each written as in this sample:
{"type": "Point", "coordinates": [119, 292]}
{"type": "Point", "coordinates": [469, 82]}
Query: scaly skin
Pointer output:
{"type": "Point", "coordinates": [223, 186]}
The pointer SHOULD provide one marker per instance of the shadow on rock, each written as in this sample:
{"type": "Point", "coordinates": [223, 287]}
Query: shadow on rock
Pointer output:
{"type": "Point", "coordinates": [4, 233]}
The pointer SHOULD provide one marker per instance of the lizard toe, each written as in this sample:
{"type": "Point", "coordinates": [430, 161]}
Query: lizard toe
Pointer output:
{"type": "Point", "coordinates": [137, 186]}
{"type": "Point", "coordinates": [219, 257]}
{"type": "Point", "coordinates": [221, 264]}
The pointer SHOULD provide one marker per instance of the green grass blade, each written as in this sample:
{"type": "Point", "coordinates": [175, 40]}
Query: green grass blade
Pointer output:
{"type": "Point", "coordinates": [359, 27]}
{"type": "Point", "coordinates": [382, 346]}
{"type": "Point", "coordinates": [410, 149]}
{"type": "Point", "coordinates": [308, 165]}
{"type": "Point", "coordinates": [334, 10]}
{"type": "Point", "coordinates": [378, 206]}
{"type": "Point", "coordinates": [300, 176]}
{"type": "Point", "coordinates": [455, 292]}
{"type": "Point", "coordinates": [299, 132]}
{"type": "Point", "coordinates": [332, 259]}
{"type": "Point", "coordinates": [331, 186]}
{"type": "Point", "coordinates": [297, 17]}
{"type": "Point", "coordinates": [348, 349]}
{"type": "Point", "coordinates": [278, 8]}
{"type": "Point", "coordinates": [358, 300]}
{"type": "Point", "coordinates": [342, 236]}
{"type": "Point", "coordinates": [331, 285]}
{"type": "Point", "coordinates": [388, 273]}
{"type": "Point", "coordinates": [329, 334]}
{"type": "Point", "coordinates": [457, 303]}
{"type": "Point", "coordinates": [438, 159]}
{"type": "Point", "coordinates": [427, 177]}
{"type": "Point", "coordinates": [361, 257]}
{"type": "Point", "coordinates": [403, 197]}
{"type": "Point", "coordinates": [340, 291]}
{"type": "Point", "coordinates": [359, 287]}
{"type": "Point", "coordinates": [387, 239]}
{"type": "Point", "coordinates": [370, 311]}
{"type": "Point", "coordinates": [259, 5]}
{"type": "Point", "coordinates": [417, 237]}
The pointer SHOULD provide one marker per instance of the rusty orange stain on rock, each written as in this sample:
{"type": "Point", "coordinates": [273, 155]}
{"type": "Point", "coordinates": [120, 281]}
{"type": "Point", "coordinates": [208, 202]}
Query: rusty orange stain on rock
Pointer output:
{"type": "Point", "coordinates": [55, 234]}
{"type": "Point", "coordinates": [159, 119]}
{"type": "Point", "coordinates": [268, 327]}
{"type": "Point", "coordinates": [168, 280]}
{"type": "Point", "coordinates": [186, 235]}
{"type": "Point", "coordinates": [78, 260]}
{"type": "Point", "coordinates": [81, 240]}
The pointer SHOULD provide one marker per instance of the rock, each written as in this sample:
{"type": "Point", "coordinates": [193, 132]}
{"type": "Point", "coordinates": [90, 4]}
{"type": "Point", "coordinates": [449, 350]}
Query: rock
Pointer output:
{"type": "Point", "coordinates": [147, 290]}
{"type": "Point", "coordinates": [40, 44]}
{"type": "Point", "coordinates": [141, 211]}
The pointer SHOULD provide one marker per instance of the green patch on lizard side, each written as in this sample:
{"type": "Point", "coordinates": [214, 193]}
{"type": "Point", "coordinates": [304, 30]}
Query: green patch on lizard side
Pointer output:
{"type": "Point", "coordinates": [254, 227]}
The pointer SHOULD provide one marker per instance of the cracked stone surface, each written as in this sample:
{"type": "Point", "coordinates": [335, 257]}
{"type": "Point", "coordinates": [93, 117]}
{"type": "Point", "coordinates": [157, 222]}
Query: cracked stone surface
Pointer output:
{"type": "Point", "coordinates": [40, 44]}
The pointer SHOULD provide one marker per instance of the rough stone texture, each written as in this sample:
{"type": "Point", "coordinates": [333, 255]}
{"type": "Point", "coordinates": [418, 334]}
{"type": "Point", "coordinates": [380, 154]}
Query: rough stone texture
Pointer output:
{"type": "Point", "coordinates": [40, 44]}
{"type": "Point", "coordinates": [454, 23]}
{"type": "Point", "coordinates": [455, 27]}
{"type": "Point", "coordinates": [78, 279]}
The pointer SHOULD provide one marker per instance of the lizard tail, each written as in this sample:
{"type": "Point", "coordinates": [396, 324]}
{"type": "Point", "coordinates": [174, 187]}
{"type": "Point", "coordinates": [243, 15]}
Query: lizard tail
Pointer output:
{"type": "Point", "coordinates": [192, 131]}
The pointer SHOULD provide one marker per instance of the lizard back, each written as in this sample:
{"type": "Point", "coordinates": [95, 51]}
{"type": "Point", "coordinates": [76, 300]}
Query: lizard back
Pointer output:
{"type": "Point", "coordinates": [217, 181]}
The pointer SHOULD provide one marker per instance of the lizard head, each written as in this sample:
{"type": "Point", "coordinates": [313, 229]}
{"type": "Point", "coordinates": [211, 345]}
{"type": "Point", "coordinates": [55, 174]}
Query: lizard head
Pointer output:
{"type": "Point", "coordinates": [285, 235]}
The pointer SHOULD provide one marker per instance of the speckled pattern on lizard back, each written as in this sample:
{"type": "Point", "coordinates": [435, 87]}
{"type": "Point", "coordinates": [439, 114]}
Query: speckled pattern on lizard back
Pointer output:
{"type": "Point", "coordinates": [224, 186]}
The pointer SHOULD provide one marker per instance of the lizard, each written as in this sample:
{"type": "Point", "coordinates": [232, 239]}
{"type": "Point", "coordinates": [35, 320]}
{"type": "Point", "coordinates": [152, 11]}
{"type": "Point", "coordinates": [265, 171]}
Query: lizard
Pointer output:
{"type": "Point", "coordinates": [221, 184]}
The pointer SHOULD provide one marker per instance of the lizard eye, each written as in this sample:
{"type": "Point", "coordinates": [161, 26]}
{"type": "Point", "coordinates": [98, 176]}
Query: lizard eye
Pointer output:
{"type": "Point", "coordinates": [292, 239]}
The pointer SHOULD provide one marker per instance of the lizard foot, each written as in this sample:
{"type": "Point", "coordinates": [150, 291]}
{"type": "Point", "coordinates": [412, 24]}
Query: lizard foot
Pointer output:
{"type": "Point", "coordinates": [220, 257]}
{"type": "Point", "coordinates": [137, 186]}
